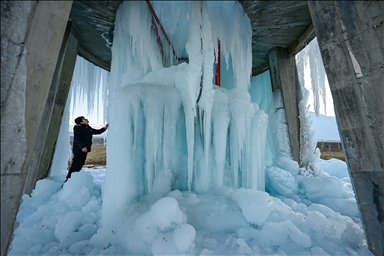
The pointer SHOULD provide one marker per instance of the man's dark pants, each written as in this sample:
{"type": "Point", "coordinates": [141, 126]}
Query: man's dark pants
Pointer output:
{"type": "Point", "coordinates": [77, 163]}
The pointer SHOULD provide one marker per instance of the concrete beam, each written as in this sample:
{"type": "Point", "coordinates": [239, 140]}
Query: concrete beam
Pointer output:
{"type": "Point", "coordinates": [45, 54]}
{"type": "Point", "coordinates": [31, 36]}
{"type": "Point", "coordinates": [63, 78]}
{"type": "Point", "coordinates": [283, 77]}
{"type": "Point", "coordinates": [303, 41]}
{"type": "Point", "coordinates": [91, 58]}
{"type": "Point", "coordinates": [351, 36]}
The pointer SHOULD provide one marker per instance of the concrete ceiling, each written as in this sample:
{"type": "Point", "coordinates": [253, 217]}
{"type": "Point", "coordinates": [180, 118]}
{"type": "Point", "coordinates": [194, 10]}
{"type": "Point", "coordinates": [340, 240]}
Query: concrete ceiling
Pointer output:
{"type": "Point", "coordinates": [284, 24]}
{"type": "Point", "coordinates": [94, 24]}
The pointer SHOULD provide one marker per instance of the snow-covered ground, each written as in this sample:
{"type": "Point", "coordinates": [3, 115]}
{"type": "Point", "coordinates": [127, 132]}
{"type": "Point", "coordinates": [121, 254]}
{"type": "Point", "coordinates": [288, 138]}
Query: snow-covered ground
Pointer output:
{"type": "Point", "coordinates": [321, 218]}
{"type": "Point", "coordinates": [318, 218]}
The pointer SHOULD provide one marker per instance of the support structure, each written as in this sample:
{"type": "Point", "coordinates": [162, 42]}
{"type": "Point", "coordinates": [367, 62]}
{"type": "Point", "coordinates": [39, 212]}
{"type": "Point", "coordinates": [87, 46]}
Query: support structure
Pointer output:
{"type": "Point", "coordinates": [62, 79]}
{"type": "Point", "coordinates": [283, 77]}
{"type": "Point", "coordinates": [32, 34]}
{"type": "Point", "coordinates": [351, 36]}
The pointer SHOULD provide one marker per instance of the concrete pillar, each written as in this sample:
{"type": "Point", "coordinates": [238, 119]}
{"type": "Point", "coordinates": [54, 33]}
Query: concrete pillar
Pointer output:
{"type": "Point", "coordinates": [60, 88]}
{"type": "Point", "coordinates": [31, 37]}
{"type": "Point", "coordinates": [45, 57]}
{"type": "Point", "coordinates": [282, 68]}
{"type": "Point", "coordinates": [13, 135]}
{"type": "Point", "coordinates": [351, 36]}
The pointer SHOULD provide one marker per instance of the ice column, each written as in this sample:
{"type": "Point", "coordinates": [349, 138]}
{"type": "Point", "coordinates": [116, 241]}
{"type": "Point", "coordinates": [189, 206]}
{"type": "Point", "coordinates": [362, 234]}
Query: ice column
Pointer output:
{"type": "Point", "coordinates": [201, 22]}
{"type": "Point", "coordinates": [317, 74]}
{"type": "Point", "coordinates": [172, 128]}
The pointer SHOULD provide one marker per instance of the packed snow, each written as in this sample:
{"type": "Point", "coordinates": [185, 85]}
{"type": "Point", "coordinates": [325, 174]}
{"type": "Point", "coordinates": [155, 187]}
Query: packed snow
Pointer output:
{"type": "Point", "coordinates": [192, 168]}
{"type": "Point", "coordinates": [298, 215]}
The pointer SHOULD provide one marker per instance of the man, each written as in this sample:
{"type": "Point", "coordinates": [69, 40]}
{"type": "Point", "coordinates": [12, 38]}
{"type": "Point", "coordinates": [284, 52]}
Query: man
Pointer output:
{"type": "Point", "coordinates": [82, 142]}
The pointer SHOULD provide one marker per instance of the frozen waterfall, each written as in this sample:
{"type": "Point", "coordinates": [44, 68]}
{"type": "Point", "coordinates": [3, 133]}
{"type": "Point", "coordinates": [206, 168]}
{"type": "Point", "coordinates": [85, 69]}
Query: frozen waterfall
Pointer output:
{"type": "Point", "coordinates": [172, 127]}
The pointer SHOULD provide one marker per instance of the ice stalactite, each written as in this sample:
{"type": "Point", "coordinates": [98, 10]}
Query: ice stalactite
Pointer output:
{"type": "Point", "coordinates": [312, 74]}
{"type": "Point", "coordinates": [317, 75]}
{"type": "Point", "coordinates": [220, 123]}
{"type": "Point", "coordinates": [90, 84]}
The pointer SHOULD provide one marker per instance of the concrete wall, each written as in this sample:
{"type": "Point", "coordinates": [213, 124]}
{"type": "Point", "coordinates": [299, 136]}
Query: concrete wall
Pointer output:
{"type": "Point", "coordinates": [62, 80]}
{"type": "Point", "coordinates": [351, 41]}
{"type": "Point", "coordinates": [31, 38]}
{"type": "Point", "coordinates": [44, 55]}
{"type": "Point", "coordinates": [13, 134]}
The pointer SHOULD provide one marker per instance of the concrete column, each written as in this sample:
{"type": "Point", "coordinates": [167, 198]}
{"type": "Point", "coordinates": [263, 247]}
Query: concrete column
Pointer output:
{"type": "Point", "coordinates": [283, 77]}
{"type": "Point", "coordinates": [31, 36]}
{"type": "Point", "coordinates": [14, 14]}
{"type": "Point", "coordinates": [351, 36]}
{"type": "Point", "coordinates": [45, 48]}
{"type": "Point", "coordinates": [62, 79]}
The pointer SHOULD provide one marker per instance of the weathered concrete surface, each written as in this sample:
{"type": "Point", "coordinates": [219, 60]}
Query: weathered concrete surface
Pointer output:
{"type": "Point", "coordinates": [43, 46]}
{"type": "Point", "coordinates": [31, 36]}
{"type": "Point", "coordinates": [351, 36]}
{"type": "Point", "coordinates": [282, 68]}
{"type": "Point", "coordinates": [13, 135]}
{"type": "Point", "coordinates": [63, 79]}
{"type": "Point", "coordinates": [11, 192]}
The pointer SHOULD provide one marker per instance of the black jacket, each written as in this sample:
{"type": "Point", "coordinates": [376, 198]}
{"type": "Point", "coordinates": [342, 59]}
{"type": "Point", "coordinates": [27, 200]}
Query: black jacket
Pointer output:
{"type": "Point", "coordinates": [82, 137]}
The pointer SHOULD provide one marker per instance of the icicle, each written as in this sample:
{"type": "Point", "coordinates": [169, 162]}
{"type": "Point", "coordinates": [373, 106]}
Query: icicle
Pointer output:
{"type": "Point", "coordinates": [89, 84]}
{"type": "Point", "coordinates": [317, 75]}
{"type": "Point", "coordinates": [220, 120]}
{"type": "Point", "coordinates": [194, 50]}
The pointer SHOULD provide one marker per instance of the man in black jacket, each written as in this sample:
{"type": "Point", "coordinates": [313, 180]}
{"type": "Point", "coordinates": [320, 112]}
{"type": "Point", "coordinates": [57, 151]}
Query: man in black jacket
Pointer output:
{"type": "Point", "coordinates": [82, 142]}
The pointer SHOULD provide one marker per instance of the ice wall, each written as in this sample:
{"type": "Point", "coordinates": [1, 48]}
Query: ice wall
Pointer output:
{"type": "Point", "coordinates": [172, 128]}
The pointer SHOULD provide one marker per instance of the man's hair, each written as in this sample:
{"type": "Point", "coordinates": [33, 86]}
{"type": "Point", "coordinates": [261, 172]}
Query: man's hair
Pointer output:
{"type": "Point", "coordinates": [79, 119]}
